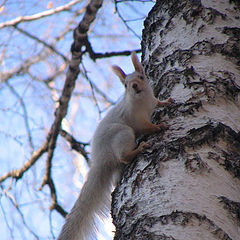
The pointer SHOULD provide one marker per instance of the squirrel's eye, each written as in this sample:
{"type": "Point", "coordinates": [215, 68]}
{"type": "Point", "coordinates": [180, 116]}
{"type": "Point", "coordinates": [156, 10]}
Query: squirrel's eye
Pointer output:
{"type": "Point", "coordinates": [141, 77]}
{"type": "Point", "coordinates": [125, 85]}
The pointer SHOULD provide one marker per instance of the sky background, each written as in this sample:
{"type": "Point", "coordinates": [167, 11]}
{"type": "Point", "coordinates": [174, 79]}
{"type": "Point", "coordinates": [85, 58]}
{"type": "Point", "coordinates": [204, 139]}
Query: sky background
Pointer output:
{"type": "Point", "coordinates": [28, 102]}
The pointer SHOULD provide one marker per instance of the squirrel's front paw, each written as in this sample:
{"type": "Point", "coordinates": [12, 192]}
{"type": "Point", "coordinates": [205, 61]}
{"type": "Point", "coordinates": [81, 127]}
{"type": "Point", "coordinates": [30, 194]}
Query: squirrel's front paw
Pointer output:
{"type": "Point", "coordinates": [143, 145]}
{"type": "Point", "coordinates": [170, 100]}
{"type": "Point", "coordinates": [162, 126]}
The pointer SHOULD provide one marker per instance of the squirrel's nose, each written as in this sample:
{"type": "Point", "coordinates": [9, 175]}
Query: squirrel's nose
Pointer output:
{"type": "Point", "coordinates": [134, 85]}
{"type": "Point", "coordinates": [136, 89]}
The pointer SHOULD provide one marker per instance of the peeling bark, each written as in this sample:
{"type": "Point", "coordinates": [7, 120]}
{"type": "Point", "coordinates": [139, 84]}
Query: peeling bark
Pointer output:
{"type": "Point", "coordinates": [187, 185]}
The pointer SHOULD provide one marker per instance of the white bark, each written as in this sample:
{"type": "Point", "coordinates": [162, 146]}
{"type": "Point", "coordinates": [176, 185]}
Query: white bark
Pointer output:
{"type": "Point", "coordinates": [187, 186]}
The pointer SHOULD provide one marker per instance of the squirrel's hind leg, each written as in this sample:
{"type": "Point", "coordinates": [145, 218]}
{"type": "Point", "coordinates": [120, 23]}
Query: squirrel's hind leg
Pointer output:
{"type": "Point", "coordinates": [128, 156]}
{"type": "Point", "coordinates": [124, 145]}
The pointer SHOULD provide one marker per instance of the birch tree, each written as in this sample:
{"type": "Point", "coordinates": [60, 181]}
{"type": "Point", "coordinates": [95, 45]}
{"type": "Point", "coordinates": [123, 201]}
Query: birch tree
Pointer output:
{"type": "Point", "coordinates": [187, 185]}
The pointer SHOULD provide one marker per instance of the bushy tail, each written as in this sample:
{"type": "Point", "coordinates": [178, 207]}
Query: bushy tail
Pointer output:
{"type": "Point", "coordinates": [93, 200]}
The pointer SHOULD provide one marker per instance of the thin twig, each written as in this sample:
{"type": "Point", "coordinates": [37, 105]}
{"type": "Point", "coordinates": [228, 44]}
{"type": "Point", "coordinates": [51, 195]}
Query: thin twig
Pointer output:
{"type": "Point", "coordinates": [6, 221]}
{"type": "Point", "coordinates": [3, 3]}
{"type": "Point", "coordinates": [80, 33]}
{"type": "Point", "coordinates": [52, 48]}
{"type": "Point", "coordinates": [25, 115]}
{"type": "Point", "coordinates": [18, 173]}
{"type": "Point", "coordinates": [124, 21]}
{"type": "Point", "coordinates": [55, 205]}
{"type": "Point", "coordinates": [95, 56]}
{"type": "Point", "coordinates": [101, 93]}
{"type": "Point", "coordinates": [15, 204]}
{"type": "Point", "coordinates": [51, 225]}
{"type": "Point", "coordinates": [36, 16]}
{"type": "Point", "coordinates": [23, 68]}
{"type": "Point", "coordinates": [49, 145]}
{"type": "Point", "coordinates": [92, 90]}
{"type": "Point", "coordinates": [75, 145]}
{"type": "Point", "coordinates": [115, 54]}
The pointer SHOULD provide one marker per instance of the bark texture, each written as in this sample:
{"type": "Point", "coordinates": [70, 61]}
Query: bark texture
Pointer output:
{"type": "Point", "coordinates": [187, 185]}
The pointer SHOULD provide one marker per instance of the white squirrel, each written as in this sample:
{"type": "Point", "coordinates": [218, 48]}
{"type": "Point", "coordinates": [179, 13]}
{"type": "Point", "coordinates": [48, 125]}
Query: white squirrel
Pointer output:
{"type": "Point", "coordinates": [113, 144]}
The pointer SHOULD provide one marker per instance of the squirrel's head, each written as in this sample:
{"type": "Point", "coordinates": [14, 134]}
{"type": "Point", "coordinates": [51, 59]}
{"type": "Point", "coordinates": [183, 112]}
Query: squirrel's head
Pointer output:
{"type": "Point", "coordinates": [134, 83]}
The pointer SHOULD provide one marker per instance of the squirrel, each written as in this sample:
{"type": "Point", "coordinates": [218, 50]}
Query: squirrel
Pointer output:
{"type": "Point", "coordinates": [113, 145]}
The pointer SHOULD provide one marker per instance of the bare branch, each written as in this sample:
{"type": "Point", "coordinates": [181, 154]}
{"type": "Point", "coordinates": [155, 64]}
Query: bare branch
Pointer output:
{"type": "Point", "coordinates": [79, 33]}
{"type": "Point", "coordinates": [27, 66]}
{"type": "Point", "coordinates": [59, 209]}
{"type": "Point", "coordinates": [55, 204]}
{"type": "Point", "coordinates": [15, 204]}
{"type": "Point", "coordinates": [75, 145]}
{"type": "Point", "coordinates": [23, 68]}
{"type": "Point", "coordinates": [100, 92]}
{"type": "Point", "coordinates": [39, 15]}
{"type": "Point", "coordinates": [61, 111]}
{"type": "Point", "coordinates": [92, 90]}
{"type": "Point", "coordinates": [95, 56]}
{"type": "Point", "coordinates": [6, 221]}
{"type": "Point", "coordinates": [124, 21]}
{"type": "Point", "coordinates": [115, 54]}
{"type": "Point", "coordinates": [25, 115]}
{"type": "Point", "coordinates": [18, 173]}
{"type": "Point", "coordinates": [42, 42]}
{"type": "Point", "coordinates": [2, 4]}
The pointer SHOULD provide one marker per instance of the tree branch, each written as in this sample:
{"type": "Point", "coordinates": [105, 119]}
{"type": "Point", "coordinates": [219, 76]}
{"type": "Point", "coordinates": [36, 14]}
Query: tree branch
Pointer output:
{"type": "Point", "coordinates": [75, 145]}
{"type": "Point", "coordinates": [95, 56]}
{"type": "Point", "coordinates": [23, 68]}
{"type": "Point", "coordinates": [99, 91]}
{"type": "Point", "coordinates": [18, 173]}
{"type": "Point", "coordinates": [71, 76]}
{"type": "Point", "coordinates": [39, 15]}
{"type": "Point", "coordinates": [115, 54]}
{"type": "Point", "coordinates": [79, 33]}
{"type": "Point", "coordinates": [16, 205]}
{"type": "Point", "coordinates": [42, 42]}
{"type": "Point", "coordinates": [92, 89]}
{"type": "Point", "coordinates": [55, 204]}
{"type": "Point", "coordinates": [25, 115]}
{"type": "Point", "coordinates": [124, 21]}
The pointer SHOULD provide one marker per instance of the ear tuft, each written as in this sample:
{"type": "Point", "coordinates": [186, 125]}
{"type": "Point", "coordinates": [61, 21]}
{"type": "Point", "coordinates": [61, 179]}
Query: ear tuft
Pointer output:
{"type": "Point", "coordinates": [120, 73]}
{"type": "Point", "coordinates": [137, 65]}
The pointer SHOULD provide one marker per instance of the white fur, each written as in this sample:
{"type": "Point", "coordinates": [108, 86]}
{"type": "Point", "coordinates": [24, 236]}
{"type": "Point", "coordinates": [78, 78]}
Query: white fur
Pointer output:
{"type": "Point", "coordinates": [113, 142]}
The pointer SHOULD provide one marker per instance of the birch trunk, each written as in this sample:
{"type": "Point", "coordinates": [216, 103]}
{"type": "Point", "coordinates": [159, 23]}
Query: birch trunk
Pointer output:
{"type": "Point", "coordinates": [187, 185]}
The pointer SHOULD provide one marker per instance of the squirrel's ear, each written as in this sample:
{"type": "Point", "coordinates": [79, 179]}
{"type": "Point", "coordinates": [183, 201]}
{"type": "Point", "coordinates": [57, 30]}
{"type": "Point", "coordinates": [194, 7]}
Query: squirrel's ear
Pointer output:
{"type": "Point", "coordinates": [120, 73]}
{"type": "Point", "coordinates": [137, 65]}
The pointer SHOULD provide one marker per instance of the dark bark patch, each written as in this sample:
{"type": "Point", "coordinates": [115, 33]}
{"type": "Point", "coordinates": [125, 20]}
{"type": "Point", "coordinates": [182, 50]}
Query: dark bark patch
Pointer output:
{"type": "Point", "coordinates": [136, 183]}
{"type": "Point", "coordinates": [195, 164]}
{"type": "Point", "coordinates": [232, 31]}
{"type": "Point", "coordinates": [212, 132]}
{"type": "Point", "coordinates": [236, 2]}
{"type": "Point", "coordinates": [232, 163]}
{"type": "Point", "coordinates": [232, 207]}
{"type": "Point", "coordinates": [176, 110]}
{"type": "Point", "coordinates": [140, 227]}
